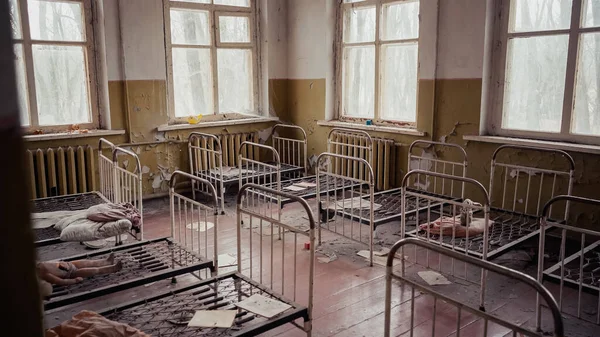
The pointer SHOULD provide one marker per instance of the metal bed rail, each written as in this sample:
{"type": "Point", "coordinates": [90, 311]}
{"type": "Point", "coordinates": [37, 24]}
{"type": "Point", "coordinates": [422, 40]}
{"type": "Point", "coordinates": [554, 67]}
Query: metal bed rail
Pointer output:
{"type": "Point", "coordinates": [482, 321]}
{"type": "Point", "coordinates": [194, 225]}
{"type": "Point", "coordinates": [128, 182]}
{"type": "Point", "coordinates": [525, 188]}
{"type": "Point", "coordinates": [206, 161]}
{"type": "Point", "coordinates": [440, 220]}
{"type": "Point", "coordinates": [259, 173]}
{"type": "Point", "coordinates": [351, 143]}
{"type": "Point", "coordinates": [569, 256]}
{"type": "Point", "coordinates": [291, 151]}
{"type": "Point", "coordinates": [273, 256]}
{"type": "Point", "coordinates": [106, 169]}
{"type": "Point", "coordinates": [433, 164]}
{"type": "Point", "coordinates": [352, 196]}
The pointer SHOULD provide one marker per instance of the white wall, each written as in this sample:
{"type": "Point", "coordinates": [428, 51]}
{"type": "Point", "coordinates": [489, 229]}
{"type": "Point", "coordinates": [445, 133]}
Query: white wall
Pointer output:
{"type": "Point", "coordinates": [277, 39]}
{"type": "Point", "coordinates": [307, 28]}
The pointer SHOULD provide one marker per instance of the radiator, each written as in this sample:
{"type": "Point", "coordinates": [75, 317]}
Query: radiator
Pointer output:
{"type": "Point", "coordinates": [61, 171]}
{"type": "Point", "coordinates": [383, 159]}
{"type": "Point", "coordinates": [230, 146]}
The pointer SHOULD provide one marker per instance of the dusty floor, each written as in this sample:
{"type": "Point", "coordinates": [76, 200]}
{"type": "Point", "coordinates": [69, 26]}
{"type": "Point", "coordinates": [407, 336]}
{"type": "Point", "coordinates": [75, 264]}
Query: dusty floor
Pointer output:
{"type": "Point", "coordinates": [349, 294]}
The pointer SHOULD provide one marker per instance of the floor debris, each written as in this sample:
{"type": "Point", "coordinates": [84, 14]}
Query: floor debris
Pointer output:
{"type": "Point", "coordinates": [433, 278]}
{"type": "Point", "coordinates": [329, 257]}
{"type": "Point", "coordinates": [202, 227]}
{"type": "Point", "coordinates": [227, 260]}
{"type": "Point", "coordinates": [378, 259]}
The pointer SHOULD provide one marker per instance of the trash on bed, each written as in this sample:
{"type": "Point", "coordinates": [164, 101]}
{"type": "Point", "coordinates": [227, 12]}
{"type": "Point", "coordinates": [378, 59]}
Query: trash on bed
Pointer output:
{"type": "Point", "coordinates": [203, 227]}
{"type": "Point", "coordinates": [263, 306]}
{"type": "Point", "coordinates": [356, 203]}
{"type": "Point", "coordinates": [306, 184]}
{"type": "Point", "coordinates": [213, 319]}
{"type": "Point", "coordinates": [294, 188]}
{"type": "Point", "coordinates": [230, 172]}
{"type": "Point", "coordinates": [227, 260]}
{"type": "Point", "coordinates": [433, 278]}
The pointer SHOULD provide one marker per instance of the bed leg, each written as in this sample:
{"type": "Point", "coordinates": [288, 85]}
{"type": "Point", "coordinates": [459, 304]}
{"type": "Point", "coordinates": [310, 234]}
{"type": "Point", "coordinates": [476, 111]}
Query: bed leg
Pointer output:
{"type": "Point", "coordinates": [308, 328]}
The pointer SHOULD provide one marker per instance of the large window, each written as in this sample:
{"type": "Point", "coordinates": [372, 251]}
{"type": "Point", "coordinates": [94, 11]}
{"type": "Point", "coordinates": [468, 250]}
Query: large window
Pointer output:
{"type": "Point", "coordinates": [548, 70]}
{"type": "Point", "coordinates": [53, 51]}
{"type": "Point", "coordinates": [212, 57]}
{"type": "Point", "coordinates": [379, 59]}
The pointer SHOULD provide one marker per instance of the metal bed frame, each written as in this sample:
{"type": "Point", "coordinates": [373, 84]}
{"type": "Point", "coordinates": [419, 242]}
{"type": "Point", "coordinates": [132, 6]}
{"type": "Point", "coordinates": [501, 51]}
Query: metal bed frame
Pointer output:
{"type": "Point", "coordinates": [517, 220]}
{"type": "Point", "coordinates": [437, 207]}
{"type": "Point", "coordinates": [206, 158]}
{"type": "Point", "coordinates": [361, 148]}
{"type": "Point", "coordinates": [413, 290]}
{"type": "Point", "coordinates": [390, 200]}
{"type": "Point", "coordinates": [168, 313]}
{"type": "Point", "coordinates": [117, 185]}
{"type": "Point", "coordinates": [351, 189]}
{"type": "Point", "coordinates": [154, 260]}
{"type": "Point", "coordinates": [577, 269]}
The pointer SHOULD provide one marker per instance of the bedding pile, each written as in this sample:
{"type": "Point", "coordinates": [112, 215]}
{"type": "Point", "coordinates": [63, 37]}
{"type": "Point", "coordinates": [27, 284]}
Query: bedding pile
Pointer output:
{"type": "Point", "coordinates": [95, 223]}
{"type": "Point", "coordinates": [453, 226]}
{"type": "Point", "coordinates": [90, 324]}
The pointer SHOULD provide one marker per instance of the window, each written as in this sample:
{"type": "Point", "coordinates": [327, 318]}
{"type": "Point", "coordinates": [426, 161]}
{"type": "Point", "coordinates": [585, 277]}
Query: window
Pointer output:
{"type": "Point", "coordinates": [548, 70]}
{"type": "Point", "coordinates": [379, 59]}
{"type": "Point", "coordinates": [53, 48]}
{"type": "Point", "coordinates": [211, 57]}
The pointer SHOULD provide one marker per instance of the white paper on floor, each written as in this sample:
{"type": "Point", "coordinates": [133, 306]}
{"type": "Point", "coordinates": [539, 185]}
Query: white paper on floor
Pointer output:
{"type": "Point", "coordinates": [124, 237]}
{"type": "Point", "coordinates": [227, 260]}
{"type": "Point", "coordinates": [204, 226]}
{"type": "Point", "coordinates": [356, 203]}
{"type": "Point", "coordinates": [329, 257]}
{"type": "Point", "coordinates": [266, 230]}
{"type": "Point", "coordinates": [378, 259]}
{"type": "Point", "coordinates": [433, 278]}
{"type": "Point", "coordinates": [213, 319]}
{"type": "Point", "coordinates": [306, 184]}
{"type": "Point", "coordinates": [294, 188]}
{"type": "Point", "coordinates": [263, 306]}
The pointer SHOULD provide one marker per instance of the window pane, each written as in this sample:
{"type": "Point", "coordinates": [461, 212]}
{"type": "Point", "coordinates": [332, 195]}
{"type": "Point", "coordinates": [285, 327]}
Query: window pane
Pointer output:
{"type": "Point", "coordinates": [359, 24]}
{"type": "Point", "coordinates": [234, 29]}
{"type": "Point", "coordinates": [61, 85]}
{"type": "Point", "coordinates": [399, 82]}
{"type": "Point", "coordinates": [586, 119]}
{"type": "Point", "coordinates": [21, 84]}
{"type": "Point", "coordinates": [591, 13]}
{"type": "Point", "coordinates": [535, 83]}
{"type": "Point", "coordinates": [236, 93]}
{"type": "Point", "coordinates": [189, 27]}
{"type": "Point", "coordinates": [400, 21]}
{"type": "Point", "coordinates": [15, 18]}
{"type": "Point", "coordinates": [359, 82]}
{"type": "Point", "coordinates": [192, 82]}
{"type": "Point", "coordinates": [539, 15]}
{"type": "Point", "coordinates": [56, 21]}
{"type": "Point", "coordinates": [351, 1]}
{"type": "Point", "coordinates": [239, 3]}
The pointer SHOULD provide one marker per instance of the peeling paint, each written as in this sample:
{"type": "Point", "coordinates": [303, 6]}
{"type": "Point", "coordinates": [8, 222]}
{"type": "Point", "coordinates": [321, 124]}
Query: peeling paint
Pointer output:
{"type": "Point", "coordinates": [515, 172]}
{"type": "Point", "coordinates": [423, 164]}
{"type": "Point", "coordinates": [145, 170]}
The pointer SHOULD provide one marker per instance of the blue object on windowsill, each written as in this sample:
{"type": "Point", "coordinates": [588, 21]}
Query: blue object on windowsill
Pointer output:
{"type": "Point", "coordinates": [369, 122]}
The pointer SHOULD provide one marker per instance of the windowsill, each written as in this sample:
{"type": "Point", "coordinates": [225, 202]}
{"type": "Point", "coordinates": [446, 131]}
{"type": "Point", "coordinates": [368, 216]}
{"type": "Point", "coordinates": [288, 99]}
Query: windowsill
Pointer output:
{"type": "Point", "coordinates": [201, 125]}
{"type": "Point", "coordinates": [582, 148]}
{"type": "Point", "coordinates": [68, 135]}
{"type": "Point", "coordinates": [376, 128]}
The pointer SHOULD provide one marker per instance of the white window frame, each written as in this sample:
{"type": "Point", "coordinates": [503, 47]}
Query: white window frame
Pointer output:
{"type": "Point", "coordinates": [214, 12]}
{"type": "Point", "coordinates": [379, 44]}
{"type": "Point", "coordinates": [27, 42]}
{"type": "Point", "coordinates": [499, 56]}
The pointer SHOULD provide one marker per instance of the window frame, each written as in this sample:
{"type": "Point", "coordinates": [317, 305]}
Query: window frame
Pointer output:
{"type": "Point", "coordinates": [215, 11]}
{"type": "Point", "coordinates": [378, 44]}
{"type": "Point", "coordinates": [498, 77]}
{"type": "Point", "coordinates": [89, 53]}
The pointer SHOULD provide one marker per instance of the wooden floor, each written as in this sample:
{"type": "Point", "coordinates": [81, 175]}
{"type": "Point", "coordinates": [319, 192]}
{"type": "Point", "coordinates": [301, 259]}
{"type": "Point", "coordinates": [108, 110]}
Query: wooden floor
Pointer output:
{"type": "Point", "coordinates": [349, 295]}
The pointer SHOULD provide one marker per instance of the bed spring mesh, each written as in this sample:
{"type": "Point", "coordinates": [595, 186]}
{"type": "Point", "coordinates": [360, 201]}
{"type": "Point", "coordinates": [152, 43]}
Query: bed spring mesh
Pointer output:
{"type": "Point", "coordinates": [590, 271]}
{"type": "Point", "coordinates": [507, 228]}
{"type": "Point", "coordinates": [66, 203]}
{"type": "Point", "coordinates": [137, 262]}
{"type": "Point", "coordinates": [169, 316]}
{"type": "Point", "coordinates": [257, 170]}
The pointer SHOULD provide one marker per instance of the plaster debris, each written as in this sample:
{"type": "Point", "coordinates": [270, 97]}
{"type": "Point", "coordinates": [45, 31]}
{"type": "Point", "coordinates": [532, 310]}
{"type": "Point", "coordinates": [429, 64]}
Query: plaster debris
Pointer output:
{"type": "Point", "coordinates": [380, 260]}
{"type": "Point", "coordinates": [125, 163]}
{"type": "Point", "coordinates": [329, 257]}
{"type": "Point", "coordinates": [145, 169]}
{"type": "Point", "coordinates": [433, 278]}
{"type": "Point", "coordinates": [160, 136]}
{"type": "Point", "coordinates": [263, 135]}
{"type": "Point", "coordinates": [157, 182]}
{"type": "Point", "coordinates": [227, 260]}
{"type": "Point", "coordinates": [203, 226]}
{"type": "Point", "coordinates": [138, 150]}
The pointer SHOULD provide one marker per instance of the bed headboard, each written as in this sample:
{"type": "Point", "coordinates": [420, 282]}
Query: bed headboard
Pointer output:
{"type": "Point", "coordinates": [423, 155]}
{"type": "Point", "coordinates": [292, 151]}
{"type": "Point", "coordinates": [278, 243]}
{"type": "Point", "coordinates": [128, 180]}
